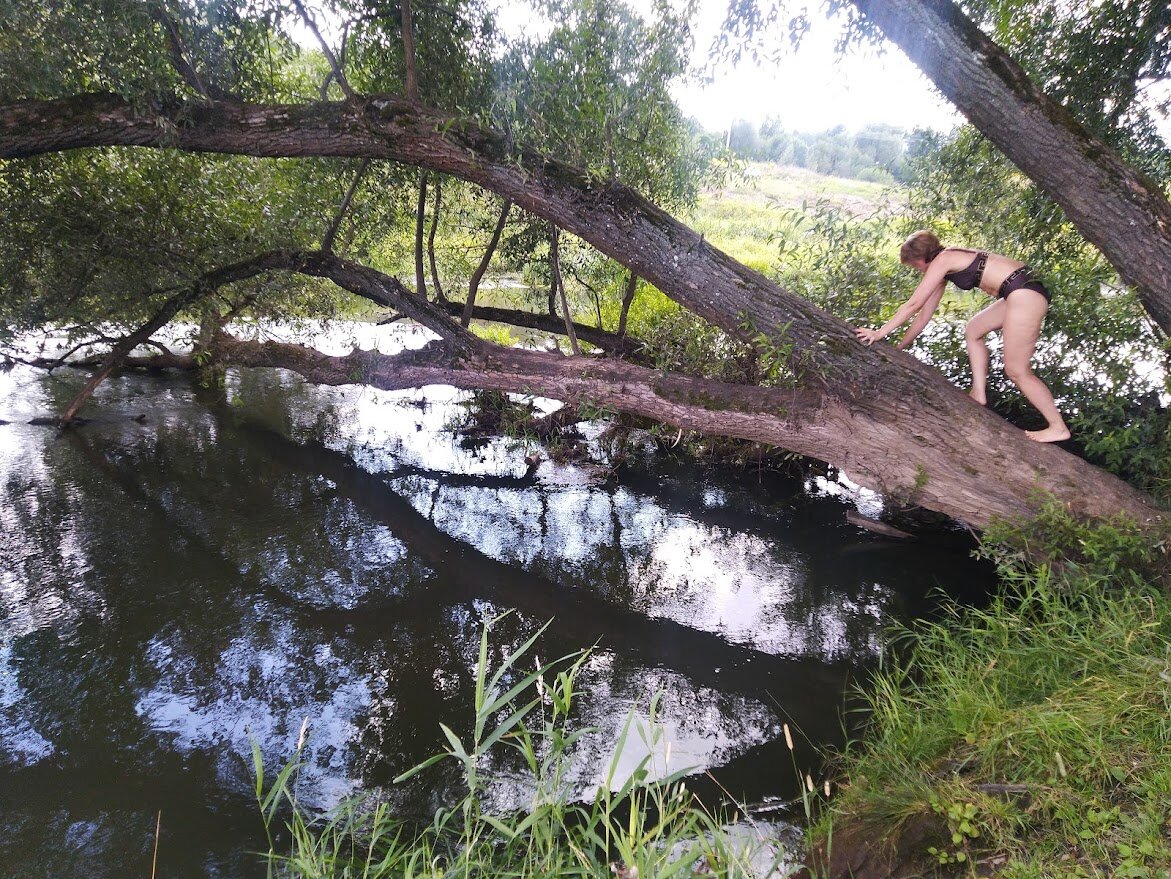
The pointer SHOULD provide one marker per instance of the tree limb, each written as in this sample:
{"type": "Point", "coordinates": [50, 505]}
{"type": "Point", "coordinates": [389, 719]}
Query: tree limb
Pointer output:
{"type": "Point", "coordinates": [347, 199]}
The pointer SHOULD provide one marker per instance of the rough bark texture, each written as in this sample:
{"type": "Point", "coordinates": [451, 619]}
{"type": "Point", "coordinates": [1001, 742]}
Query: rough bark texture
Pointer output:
{"type": "Point", "coordinates": [1114, 206]}
{"type": "Point", "coordinates": [888, 420]}
{"type": "Point", "coordinates": [811, 422]}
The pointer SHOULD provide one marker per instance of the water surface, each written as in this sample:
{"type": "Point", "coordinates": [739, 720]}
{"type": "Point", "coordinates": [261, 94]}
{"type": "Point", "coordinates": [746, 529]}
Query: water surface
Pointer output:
{"type": "Point", "coordinates": [192, 573]}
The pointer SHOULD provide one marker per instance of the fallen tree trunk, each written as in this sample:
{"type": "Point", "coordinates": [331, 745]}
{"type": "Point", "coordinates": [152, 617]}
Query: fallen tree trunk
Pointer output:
{"type": "Point", "coordinates": [809, 421]}
{"type": "Point", "coordinates": [888, 420]}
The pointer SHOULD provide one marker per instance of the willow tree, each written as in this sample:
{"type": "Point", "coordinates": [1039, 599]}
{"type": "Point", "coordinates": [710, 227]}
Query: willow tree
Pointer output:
{"type": "Point", "coordinates": [887, 419]}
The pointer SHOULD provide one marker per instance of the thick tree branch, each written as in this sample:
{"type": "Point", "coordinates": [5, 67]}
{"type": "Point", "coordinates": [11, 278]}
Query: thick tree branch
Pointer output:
{"type": "Point", "coordinates": [810, 422]}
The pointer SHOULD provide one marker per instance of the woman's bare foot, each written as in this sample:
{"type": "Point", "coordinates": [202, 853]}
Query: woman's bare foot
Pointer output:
{"type": "Point", "coordinates": [979, 396]}
{"type": "Point", "coordinates": [1049, 434]}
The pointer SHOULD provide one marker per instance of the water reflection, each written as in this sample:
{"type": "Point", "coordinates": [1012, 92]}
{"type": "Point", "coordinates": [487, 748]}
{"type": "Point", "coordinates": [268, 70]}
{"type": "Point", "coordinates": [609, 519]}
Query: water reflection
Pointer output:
{"type": "Point", "coordinates": [174, 590]}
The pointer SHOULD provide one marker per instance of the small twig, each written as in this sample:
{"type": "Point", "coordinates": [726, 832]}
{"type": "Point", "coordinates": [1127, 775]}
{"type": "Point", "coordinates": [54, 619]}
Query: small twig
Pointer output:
{"type": "Point", "coordinates": [342, 82]}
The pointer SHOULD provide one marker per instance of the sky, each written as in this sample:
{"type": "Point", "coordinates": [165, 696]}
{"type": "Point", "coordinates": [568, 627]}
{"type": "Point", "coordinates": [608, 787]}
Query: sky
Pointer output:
{"type": "Point", "coordinates": [811, 89]}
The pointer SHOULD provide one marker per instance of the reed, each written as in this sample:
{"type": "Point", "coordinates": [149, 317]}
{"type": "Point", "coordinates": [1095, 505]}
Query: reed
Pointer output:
{"type": "Point", "coordinates": [644, 824]}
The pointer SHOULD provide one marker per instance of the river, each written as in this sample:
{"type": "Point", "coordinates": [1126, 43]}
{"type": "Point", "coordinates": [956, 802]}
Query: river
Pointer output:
{"type": "Point", "coordinates": [191, 573]}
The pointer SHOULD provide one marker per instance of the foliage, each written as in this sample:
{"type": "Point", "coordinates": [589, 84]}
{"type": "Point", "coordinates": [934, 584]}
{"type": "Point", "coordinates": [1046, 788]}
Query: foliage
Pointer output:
{"type": "Point", "coordinates": [1101, 60]}
{"type": "Point", "coordinates": [1120, 552]}
{"type": "Point", "coordinates": [636, 826]}
{"type": "Point", "coordinates": [103, 237]}
{"type": "Point", "coordinates": [876, 152]}
{"type": "Point", "coordinates": [595, 93]}
{"type": "Point", "coordinates": [454, 44]}
{"type": "Point", "coordinates": [119, 46]}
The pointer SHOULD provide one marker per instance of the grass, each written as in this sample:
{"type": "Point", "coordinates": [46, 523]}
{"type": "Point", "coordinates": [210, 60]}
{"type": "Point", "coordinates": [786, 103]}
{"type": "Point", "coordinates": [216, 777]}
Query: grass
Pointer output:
{"type": "Point", "coordinates": [1032, 737]}
{"type": "Point", "coordinates": [633, 826]}
{"type": "Point", "coordinates": [746, 218]}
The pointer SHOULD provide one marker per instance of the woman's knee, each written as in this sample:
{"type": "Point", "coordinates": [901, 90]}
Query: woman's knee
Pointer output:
{"type": "Point", "coordinates": [974, 333]}
{"type": "Point", "coordinates": [1017, 372]}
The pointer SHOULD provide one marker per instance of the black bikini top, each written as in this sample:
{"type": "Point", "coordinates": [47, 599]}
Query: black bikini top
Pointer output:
{"type": "Point", "coordinates": [968, 278]}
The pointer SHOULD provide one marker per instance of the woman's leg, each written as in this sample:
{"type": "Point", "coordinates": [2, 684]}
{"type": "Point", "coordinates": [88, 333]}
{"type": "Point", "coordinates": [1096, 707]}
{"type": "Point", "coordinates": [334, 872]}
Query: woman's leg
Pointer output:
{"type": "Point", "coordinates": [983, 323]}
{"type": "Point", "coordinates": [1022, 325]}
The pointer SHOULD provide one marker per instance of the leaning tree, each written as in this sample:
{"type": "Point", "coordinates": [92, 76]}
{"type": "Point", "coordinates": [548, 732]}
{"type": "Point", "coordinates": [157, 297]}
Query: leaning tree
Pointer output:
{"type": "Point", "coordinates": [891, 422]}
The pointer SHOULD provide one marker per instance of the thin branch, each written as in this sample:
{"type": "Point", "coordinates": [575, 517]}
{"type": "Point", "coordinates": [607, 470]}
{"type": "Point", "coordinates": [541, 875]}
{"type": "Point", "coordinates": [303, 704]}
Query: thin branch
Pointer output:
{"type": "Point", "coordinates": [331, 232]}
{"type": "Point", "coordinates": [420, 217]}
{"type": "Point", "coordinates": [627, 299]}
{"type": "Point", "coordinates": [342, 82]}
{"type": "Point", "coordinates": [439, 295]}
{"type": "Point", "coordinates": [559, 285]}
{"type": "Point", "coordinates": [175, 46]}
{"type": "Point", "coordinates": [478, 274]}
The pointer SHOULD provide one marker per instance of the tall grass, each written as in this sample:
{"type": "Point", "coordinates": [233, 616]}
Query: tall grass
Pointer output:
{"type": "Point", "coordinates": [633, 826]}
{"type": "Point", "coordinates": [1034, 735]}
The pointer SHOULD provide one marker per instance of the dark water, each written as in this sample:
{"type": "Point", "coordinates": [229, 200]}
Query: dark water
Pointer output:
{"type": "Point", "coordinates": [225, 569]}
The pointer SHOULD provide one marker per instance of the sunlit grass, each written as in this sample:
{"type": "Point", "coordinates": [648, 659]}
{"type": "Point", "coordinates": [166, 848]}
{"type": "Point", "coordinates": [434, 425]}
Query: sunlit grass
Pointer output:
{"type": "Point", "coordinates": [745, 218]}
{"type": "Point", "coordinates": [1034, 735]}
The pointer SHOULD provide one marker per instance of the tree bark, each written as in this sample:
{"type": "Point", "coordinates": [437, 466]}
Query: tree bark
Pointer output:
{"type": "Point", "coordinates": [900, 427]}
{"type": "Point", "coordinates": [411, 77]}
{"type": "Point", "coordinates": [1112, 204]}
{"type": "Point", "coordinates": [806, 421]}
{"type": "Point", "coordinates": [627, 299]}
{"type": "Point", "coordinates": [204, 286]}
{"type": "Point", "coordinates": [331, 233]}
{"type": "Point", "coordinates": [485, 261]}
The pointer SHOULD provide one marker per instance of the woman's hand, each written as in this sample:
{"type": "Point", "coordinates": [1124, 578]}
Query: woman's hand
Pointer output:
{"type": "Point", "coordinates": [867, 336]}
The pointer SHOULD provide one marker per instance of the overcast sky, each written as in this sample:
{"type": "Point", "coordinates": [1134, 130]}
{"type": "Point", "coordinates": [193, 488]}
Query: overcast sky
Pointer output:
{"type": "Point", "coordinates": [812, 89]}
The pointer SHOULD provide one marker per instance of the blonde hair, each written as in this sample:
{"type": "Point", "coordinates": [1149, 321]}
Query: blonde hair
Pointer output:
{"type": "Point", "coordinates": [922, 245]}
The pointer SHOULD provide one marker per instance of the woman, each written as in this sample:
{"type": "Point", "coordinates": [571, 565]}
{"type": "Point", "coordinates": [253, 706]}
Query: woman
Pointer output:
{"type": "Point", "coordinates": [1020, 306]}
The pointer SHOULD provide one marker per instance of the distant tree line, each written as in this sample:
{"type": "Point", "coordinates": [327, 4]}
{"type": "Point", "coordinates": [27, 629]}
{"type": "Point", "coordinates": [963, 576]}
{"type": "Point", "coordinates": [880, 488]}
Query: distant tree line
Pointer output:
{"type": "Point", "coordinates": [879, 153]}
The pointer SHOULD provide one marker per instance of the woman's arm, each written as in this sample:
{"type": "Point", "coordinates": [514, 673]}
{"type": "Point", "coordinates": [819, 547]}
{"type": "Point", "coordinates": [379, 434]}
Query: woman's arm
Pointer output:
{"type": "Point", "coordinates": [921, 319]}
{"type": "Point", "coordinates": [924, 301]}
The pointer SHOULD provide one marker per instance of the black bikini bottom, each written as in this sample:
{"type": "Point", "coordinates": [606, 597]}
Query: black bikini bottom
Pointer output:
{"type": "Point", "coordinates": [1022, 279]}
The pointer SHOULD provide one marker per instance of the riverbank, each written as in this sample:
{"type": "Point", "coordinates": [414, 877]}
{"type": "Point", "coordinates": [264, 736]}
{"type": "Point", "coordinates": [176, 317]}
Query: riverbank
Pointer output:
{"type": "Point", "coordinates": [1031, 738]}
{"type": "Point", "coordinates": [1026, 739]}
